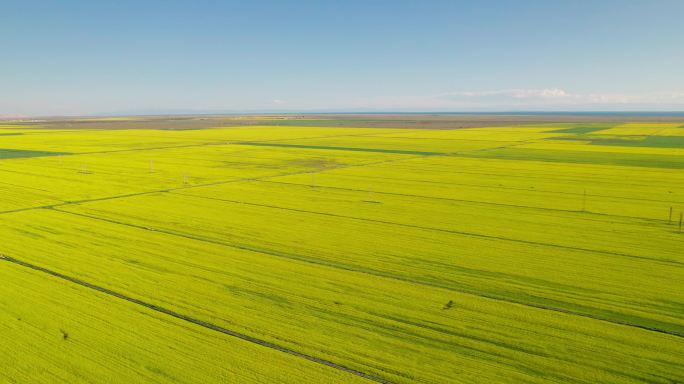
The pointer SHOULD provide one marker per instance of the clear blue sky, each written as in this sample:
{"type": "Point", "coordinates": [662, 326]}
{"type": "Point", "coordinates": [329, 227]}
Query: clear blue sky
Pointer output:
{"type": "Point", "coordinates": [81, 57]}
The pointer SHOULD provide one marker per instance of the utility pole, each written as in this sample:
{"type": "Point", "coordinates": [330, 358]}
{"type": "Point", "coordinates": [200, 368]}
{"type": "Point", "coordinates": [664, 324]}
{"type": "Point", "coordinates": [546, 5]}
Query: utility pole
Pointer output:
{"type": "Point", "coordinates": [681, 214]}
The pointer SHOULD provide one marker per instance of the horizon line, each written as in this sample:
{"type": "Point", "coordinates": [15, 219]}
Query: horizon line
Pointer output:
{"type": "Point", "coordinates": [352, 112]}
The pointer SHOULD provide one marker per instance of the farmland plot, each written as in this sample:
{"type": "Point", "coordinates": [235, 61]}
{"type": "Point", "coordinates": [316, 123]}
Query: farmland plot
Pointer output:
{"type": "Point", "coordinates": [523, 254]}
{"type": "Point", "coordinates": [53, 331]}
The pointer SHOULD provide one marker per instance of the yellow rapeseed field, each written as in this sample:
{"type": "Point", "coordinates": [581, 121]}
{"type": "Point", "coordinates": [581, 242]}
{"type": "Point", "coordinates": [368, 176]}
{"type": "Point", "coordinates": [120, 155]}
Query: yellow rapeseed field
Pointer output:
{"type": "Point", "coordinates": [526, 254]}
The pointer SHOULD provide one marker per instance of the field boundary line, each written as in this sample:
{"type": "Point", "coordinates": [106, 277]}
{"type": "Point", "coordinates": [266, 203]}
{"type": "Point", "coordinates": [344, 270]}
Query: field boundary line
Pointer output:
{"type": "Point", "coordinates": [518, 188]}
{"type": "Point", "coordinates": [333, 148]}
{"type": "Point", "coordinates": [371, 272]}
{"type": "Point", "coordinates": [208, 142]}
{"type": "Point", "coordinates": [538, 176]}
{"type": "Point", "coordinates": [193, 320]}
{"type": "Point", "coordinates": [673, 262]}
{"type": "Point", "coordinates": [650, 220]}
{"type": "Point", "coordinates": [221, 182]}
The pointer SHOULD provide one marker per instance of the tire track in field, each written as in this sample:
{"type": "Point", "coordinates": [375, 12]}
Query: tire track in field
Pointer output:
{"type": "Point", "coordinates": [222, 182]}
{"type": "Point", "coordinates": [479, 202]}
{"type": "Point", "coordinates": [621, 184]}
{"type": "Point", "coordinates": [473, 234]}
{"type": "Point", "coordinates": [332, 148]}
{"type": "Point", "coordinates": [492, 187]}
{"type": "Point", "coordinates": [204, 144]}
{"type": "Point", "coordinates": [193, 320]}
{"type": "Point", "coordinates": [211, 142]}
{"type": "Point", "coordinates": [256, 178]}
{"type": "Point", "coordinates": [376, 273]}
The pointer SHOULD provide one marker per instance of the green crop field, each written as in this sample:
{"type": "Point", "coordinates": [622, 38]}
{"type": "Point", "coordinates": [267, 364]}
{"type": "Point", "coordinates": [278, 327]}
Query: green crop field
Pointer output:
{"type": "Point", "coordinates": [299, 253]}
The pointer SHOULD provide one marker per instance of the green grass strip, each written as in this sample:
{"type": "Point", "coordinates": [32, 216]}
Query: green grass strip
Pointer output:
{"type": "Point", "coordinates": [22, 153]}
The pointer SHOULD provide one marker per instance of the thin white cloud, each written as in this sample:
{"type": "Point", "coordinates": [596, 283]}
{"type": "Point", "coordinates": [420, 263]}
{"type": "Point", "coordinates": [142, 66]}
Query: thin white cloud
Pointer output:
{"type": "Point", "coordinates": [545, 93]}
{"type": "Point", "coordinates": [553, 96]}
{"type": "Point", "coordinates": [509, 99]}
{"type": "Point", "coordinates": [530, 99]}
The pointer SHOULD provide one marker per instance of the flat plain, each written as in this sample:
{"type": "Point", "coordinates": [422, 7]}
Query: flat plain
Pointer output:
{"type": "Point", "coordinates": [285, 250]}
